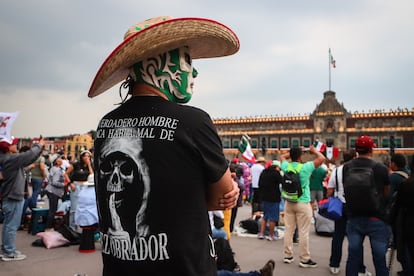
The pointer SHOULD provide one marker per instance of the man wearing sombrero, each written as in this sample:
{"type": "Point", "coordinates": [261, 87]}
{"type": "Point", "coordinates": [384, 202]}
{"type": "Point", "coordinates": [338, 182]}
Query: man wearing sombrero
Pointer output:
{"type": "Point", "coordinates": [159, 165]}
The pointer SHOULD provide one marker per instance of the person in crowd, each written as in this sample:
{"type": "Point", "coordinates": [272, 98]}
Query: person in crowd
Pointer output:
{"type": "Point", "coordinates": [399, 174]}
{"type": "Point", "coordinates": [12, 192]}
{"type": "Point", "coordinates": [363, 219]}
{"type": "Point", "coordinates": [316, 184]}
{"type": "Point", "coordinates": [27, 176]}
{"type": "Point", "coordinates": [237, 169]}
{"type": "Point", "coordinates": [247, 179]}
{"type": "Point", "coordinates": [269, 189]}
{"type": "Point", "coordinates": [78, 173]}
{"type": "Point", "coordinates": [405, 225]}
{"type": "Point", "coordinates": [159, 164]}
{"type": "Point", "coordinates": [255, 171]}
{"type": "Point", "coordinates": [65, 161]}
{"type": "Point", "coordinates": [217, 224]}
{"type": "Point", "coordinates": [55, 189]}
{"type": "Point", "coordinates": [86, 215]}
{"type": "Point", "coordinates": [299, 213]}
{"type": "Point", "coordinates": [338, 237]}
{"type": "Point", "coordinates": [38, 173]}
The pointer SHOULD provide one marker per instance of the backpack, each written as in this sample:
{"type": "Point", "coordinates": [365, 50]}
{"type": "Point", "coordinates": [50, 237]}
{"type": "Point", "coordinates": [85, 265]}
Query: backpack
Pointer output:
{"type": "Point", "coordinates": [225, 256]}
{"type": "Point", "coordinates": [361, 193]}
{"type": "Point", "coordinates": [251, 225]}
{"type": "Point", "coordinates": [291, 186]}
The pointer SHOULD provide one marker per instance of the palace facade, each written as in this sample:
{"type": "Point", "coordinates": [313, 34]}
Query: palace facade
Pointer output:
{"type": "Point", "coordinates": [329, 123]}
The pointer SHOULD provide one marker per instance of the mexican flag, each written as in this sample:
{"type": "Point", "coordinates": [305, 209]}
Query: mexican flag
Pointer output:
{"type": "Point", "coordinates": [319, 146]}
{"type": "Point", "coordinates": [331, 59]}
{"type": "Point", "coordinates": [332, 152]}
{"type": "Point", "coordinates": [246, 150]}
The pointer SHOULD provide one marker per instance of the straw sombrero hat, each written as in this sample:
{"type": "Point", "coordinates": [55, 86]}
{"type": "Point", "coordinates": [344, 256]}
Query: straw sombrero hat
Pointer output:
{"type": "Point", "coordinates": [204, 37]}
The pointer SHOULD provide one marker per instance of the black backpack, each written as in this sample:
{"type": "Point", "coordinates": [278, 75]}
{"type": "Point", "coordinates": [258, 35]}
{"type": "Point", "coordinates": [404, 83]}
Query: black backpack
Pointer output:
{"type": "Point", "coordinates": [291, 186]}
{"type": "Point", "coordinates": [225, 257]}
{"type": "Point", "coordinates": [361, 193]}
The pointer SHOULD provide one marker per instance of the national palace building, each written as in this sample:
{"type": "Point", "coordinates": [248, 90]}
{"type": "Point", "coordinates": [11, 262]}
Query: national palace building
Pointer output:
{"type": "Point", "coordinates": [329, 123]}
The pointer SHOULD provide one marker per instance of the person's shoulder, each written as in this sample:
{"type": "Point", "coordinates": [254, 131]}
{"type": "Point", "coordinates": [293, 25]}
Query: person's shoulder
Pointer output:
{"type": "Point", "coordinates": [193, 111]}
{"type": "Point", "coordinates": [309, 166]}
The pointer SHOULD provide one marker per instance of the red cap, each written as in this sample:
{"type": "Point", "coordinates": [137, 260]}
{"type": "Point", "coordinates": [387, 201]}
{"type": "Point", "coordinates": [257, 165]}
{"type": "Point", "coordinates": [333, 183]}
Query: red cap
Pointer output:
{"type": "Point", "coordinates": [235, 160]}
{"type": "Point", "coordinates": [268, 164]}
{"type": "Point", "coordinates": [365, 142]}
{"type": "Point", "coordinates": [14, 141]}
{"type": "Point", "coordinates": [5, 145]}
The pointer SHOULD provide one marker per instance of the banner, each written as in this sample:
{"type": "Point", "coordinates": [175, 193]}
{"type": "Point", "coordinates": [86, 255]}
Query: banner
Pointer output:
{"type": "Point", "coordinates": [6, 122]}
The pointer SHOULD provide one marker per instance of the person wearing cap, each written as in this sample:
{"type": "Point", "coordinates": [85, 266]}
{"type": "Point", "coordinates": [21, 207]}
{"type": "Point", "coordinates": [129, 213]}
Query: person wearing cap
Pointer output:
{"type": "Point", "coordinates": [336, 188]}
{"type": "Point", "coordinates": [299, 214]}
{"type": "Point", "coordinates": [255, 171]}
{"type": "Point", "coordinates": [159, 164]}
{"type": "Point", "coordinates": [362, 223]}
{"type": "Point", "coordinates": [12, 192]}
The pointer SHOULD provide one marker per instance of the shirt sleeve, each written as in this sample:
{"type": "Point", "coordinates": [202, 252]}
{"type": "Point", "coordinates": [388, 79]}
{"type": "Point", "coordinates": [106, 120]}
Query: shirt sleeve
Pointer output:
{"type": "Point", "coordinates": [209, 145]}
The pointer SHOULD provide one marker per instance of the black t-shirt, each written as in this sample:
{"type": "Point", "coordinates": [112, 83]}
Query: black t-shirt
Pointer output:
{"type": "Point", "coordinates": [154, 161]}
{"type": "Point", "coordinates": [80, 172]}
{"type": "Point", "coordinates": [269, 182]}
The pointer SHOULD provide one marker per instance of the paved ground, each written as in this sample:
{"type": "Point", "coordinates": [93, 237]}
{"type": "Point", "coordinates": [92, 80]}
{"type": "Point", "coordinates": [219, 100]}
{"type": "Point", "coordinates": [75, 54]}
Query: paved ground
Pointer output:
{"type": "Point", "coordinates": [251, 254]}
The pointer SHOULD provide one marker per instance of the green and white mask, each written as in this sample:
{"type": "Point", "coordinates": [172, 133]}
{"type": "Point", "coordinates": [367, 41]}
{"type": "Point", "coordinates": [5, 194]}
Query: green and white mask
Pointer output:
{"type": "Point", "coordinates": [172, 73]}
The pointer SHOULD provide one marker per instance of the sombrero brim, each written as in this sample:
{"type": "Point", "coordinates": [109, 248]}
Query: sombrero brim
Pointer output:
{"type": "Point", "coordinates": [204, 37]}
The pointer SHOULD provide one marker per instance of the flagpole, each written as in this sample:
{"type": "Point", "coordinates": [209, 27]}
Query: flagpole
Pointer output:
{"type": "Point", "coordinates": [329, 66]}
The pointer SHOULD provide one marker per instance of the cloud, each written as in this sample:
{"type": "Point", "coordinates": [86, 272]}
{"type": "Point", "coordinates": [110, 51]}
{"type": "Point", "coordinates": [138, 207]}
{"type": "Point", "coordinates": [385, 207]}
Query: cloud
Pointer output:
{"type": "Point", "coordinates": [54, 49]}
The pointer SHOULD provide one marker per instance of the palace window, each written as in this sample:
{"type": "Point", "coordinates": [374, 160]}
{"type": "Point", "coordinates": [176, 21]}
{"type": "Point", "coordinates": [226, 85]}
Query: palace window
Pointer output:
{"type": "Point", "coordinates": [352, 143]}
{"type": "Point", "coordinates": [285, 143]}
{"type": "Point", "coordinates": [273, 143]}
{"type": "Point", "coordinates": [295, 142]}
{"type": "Point", "coordinates": [306, 142]}
{"type": "Point", "coordinates": [398, 142]}
{"type": "Point", "coordinates": [385, 142]}
{"type": "Point", "coordinates": [254, 143]}
{"type": "Point", "coordinates": [235, 144]}
{"type": "Point", "coordinates": [226, 143]}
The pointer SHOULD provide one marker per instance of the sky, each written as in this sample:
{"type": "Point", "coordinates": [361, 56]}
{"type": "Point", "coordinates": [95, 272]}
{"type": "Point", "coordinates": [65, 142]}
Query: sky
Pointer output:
{"type": "Point", "coordinates": [50, 51]}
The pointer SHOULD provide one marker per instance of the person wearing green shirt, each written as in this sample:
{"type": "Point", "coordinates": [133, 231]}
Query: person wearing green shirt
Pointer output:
{"type": "Point", "coordinates": [316, 184]}
{"type": "Point", "coordinates": [299, 213]}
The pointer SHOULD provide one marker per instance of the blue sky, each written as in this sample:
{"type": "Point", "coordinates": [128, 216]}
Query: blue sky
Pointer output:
{"type": "Point", "coordinates": [50, 51]}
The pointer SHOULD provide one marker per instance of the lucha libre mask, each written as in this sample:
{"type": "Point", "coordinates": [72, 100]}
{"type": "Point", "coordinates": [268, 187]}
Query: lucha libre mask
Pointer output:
{"type": "Point", "coordinates": [172, 73]}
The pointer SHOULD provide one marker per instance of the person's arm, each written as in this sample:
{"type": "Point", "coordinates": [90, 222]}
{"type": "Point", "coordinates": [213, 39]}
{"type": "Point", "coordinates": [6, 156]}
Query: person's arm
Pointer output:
{"type": "Point", "coordinates": [285, 156]}
{"type": "Point", "coordinates": [42, 168]}
{"type": "Point", "coordinates": [69, 170]}
{"type": "Point", "coordinates": [320, 158]}
{"type": "Point", "coordinates": [223, 194]}
{"type": "Point", "coordinates": [88, 163]}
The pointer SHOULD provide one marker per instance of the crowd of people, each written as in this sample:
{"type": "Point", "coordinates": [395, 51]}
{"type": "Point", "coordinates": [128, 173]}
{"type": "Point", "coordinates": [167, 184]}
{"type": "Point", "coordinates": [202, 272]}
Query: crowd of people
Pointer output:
{"type": "Point", "coordinates": [388, 225]}
{"type": "Point", "coordinates": [30, 177]}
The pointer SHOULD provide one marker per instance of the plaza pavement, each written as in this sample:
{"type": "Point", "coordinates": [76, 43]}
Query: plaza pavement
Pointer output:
{"type": "Point", "coordinates": [251, 254]}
